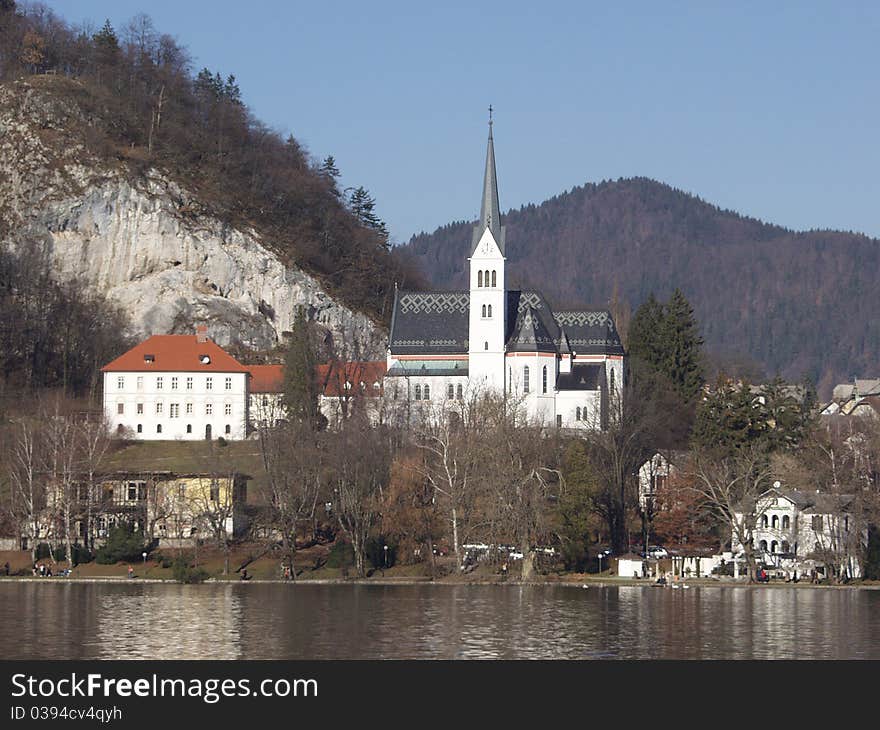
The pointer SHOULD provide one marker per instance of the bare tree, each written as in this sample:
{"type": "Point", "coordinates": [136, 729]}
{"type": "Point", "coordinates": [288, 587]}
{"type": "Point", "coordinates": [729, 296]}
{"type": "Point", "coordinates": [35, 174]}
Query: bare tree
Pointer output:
{"type": "Point", "coordinates": [361, 459]}
{"type": "Point", "coordinates": [295, 459]}
{"type": "Point", "coordinates": [449, 435]}
{"type": "Point", "coordinates": [731, 486]}
{"type": "Point", "coordinates": [28, 485]}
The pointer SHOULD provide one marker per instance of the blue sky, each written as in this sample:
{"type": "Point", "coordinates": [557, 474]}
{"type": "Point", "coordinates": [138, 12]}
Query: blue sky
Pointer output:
{"type": "Point", "coordinates": [769, 109]}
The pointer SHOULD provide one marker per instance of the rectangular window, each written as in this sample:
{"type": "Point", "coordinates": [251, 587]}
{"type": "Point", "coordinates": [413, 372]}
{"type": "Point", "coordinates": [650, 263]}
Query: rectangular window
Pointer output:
{"type": "Point", "coordinates": [227, 409]}
{"type": "Point", "coordinates": [209, 409]}
{"type": "Point", "coordinates": [142, 492]}
{"type": "Point", "coordinates": [215, 490]}
{"type": "Point", "coordinates": [189, 383]}
{"type": "Point", "coordinates": [140, 382]}
{"type": "Point", "coordinates": [228, 383]}
{"type": "Point", "coordinates": [174, 410]}
{"type": "Point", "coordinates": [158, 408]}
{"type": "Point", "coordinates": [173, 383]}
{"type": "Point", "coordinates": [189, 409]}
{"type": "Point", "coordinates": [140, 408]}
{"type": "Point", "coordinates": [209, 383]}
{"type": "Point", "coordinates": [158, 383]}
{"type": "Point", "coordinates": [120, 383]}
{"type": "Point", "coordinates": [132, 491]}
{"type": "Point", "coordinates": [120, 408]}
{"type": "Point", "coordinates": [817, 523]}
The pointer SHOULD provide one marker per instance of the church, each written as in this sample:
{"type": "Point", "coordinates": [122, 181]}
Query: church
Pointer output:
{"type": "Point", "coordinates": [563, 366]}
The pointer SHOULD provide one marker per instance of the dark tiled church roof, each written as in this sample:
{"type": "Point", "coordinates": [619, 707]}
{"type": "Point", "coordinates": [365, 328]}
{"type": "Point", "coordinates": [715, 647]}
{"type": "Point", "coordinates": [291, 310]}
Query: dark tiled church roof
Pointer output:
{"type": "Point", "coordinates": [436, 323]}
{"type": "Point", "coordinates": [582, 377]}
{"type": "Point", "coordinates": [425, 323]}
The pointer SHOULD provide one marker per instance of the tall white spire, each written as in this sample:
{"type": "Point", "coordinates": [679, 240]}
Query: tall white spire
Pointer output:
{"type": "Point", "coordinates": [490, 210]}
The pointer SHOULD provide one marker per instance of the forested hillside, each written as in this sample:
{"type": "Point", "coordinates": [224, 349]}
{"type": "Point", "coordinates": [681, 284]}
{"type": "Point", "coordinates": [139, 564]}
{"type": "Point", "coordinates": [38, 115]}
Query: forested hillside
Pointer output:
{"type": "Point", "coordinates": [799, 304]}
{"type": "Point", "coordinates": [147, 108]}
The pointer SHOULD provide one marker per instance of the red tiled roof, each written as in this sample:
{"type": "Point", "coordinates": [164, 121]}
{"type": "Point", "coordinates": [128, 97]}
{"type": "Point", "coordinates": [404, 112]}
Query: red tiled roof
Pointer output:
{"type": "Point", "coordinates": [176, 353]}
{"type": "Point", "coordinates": [266, 378]}
{"type": "Point", "coordinates": [333, 376]}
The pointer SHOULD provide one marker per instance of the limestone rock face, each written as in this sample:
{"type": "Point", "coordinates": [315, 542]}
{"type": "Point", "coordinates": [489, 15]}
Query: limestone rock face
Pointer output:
{"type": "Point", "coordinates": [147, 243]}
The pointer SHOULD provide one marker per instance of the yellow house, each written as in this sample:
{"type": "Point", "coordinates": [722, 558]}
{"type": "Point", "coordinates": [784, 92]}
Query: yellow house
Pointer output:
{"type": "Point", "coordinates": [184, 507]}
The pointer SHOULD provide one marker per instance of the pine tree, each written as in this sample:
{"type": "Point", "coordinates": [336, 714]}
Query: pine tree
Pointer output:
{"type": "Point", "coordinates": [362, 205]}
{"type": "Point", "coordinates": [300, 376]}
{"type": "Point", "coordinates": [107, 43]}
{"type": "Point", "coordinates": [645, 347]}
{"type": "Point", "coordinates": [330, 172]}
{"type": "Point", "coordinates": [681, 346]}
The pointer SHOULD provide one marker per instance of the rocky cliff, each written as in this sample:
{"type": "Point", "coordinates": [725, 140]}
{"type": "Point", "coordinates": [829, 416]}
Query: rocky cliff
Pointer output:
{"type": "Point", "coordinates": [147, 243]}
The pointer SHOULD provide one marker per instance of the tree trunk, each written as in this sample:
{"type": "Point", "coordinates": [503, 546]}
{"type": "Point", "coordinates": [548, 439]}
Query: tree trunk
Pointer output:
{"type": "Point", "coordinates": [528, 564]}
{"type": "Point", "coordinates": [455, 537]}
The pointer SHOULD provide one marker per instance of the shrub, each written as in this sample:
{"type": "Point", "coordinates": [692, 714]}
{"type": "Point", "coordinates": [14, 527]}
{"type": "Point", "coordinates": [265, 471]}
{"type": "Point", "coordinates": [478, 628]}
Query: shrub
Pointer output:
{"type": "Point", "coordinates": [123, 543]}
{"type": "Point", "coordinates": [341, 556]}
{"type": "Point", "coordinates": [183, 572]}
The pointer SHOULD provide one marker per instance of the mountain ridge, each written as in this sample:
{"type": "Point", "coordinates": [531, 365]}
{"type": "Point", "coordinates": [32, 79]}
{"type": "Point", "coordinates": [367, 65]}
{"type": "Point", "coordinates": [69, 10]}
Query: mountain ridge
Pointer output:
{"type": "Point", "coordinates": [798, 303]}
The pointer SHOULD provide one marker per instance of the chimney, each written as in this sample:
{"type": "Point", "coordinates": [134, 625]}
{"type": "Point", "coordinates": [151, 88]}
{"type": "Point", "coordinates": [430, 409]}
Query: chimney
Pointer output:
{"type": "Point", "coordinates": [202, 333]}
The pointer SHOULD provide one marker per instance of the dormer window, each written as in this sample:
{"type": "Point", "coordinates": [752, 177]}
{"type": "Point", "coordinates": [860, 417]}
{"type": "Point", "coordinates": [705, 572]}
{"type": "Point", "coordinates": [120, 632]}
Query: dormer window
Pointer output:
{"type": "Point", "coordinates": [205, 359]}
{"type": "Point", "coordinates": [149, 359]}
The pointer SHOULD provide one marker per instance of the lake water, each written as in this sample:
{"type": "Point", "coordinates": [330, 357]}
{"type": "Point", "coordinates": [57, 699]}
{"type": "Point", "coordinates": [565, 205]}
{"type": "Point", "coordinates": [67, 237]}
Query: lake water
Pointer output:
{"type": "Point", "coordinates": [57, 620]}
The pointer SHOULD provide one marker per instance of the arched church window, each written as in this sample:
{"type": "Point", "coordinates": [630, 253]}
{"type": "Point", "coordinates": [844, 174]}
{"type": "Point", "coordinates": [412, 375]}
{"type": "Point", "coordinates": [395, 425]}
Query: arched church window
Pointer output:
{"type": "Point", "coordinates": [484, 311]}
{"type": "Point", "coordinates": [763, 546]}
{"type": "Point", "coordinates": [450, 392]}
{"type": "Point", "coordinates": [490, 311]}
{"type": "Point", "coordinates": [786, 523]}
{"type": "Point", "coordinates": [486, 277]}
{"type": "Point", "coordinates": [577, 414]}
{"type": "Point", "coordinates": [480, 278]}
{"type": "Point", "coordinates": [764, 521]}
{"type": "Point", "coordinates": [493, 279]}
{"type": "Point", "coordinates": [460, 394]}
{"type": "Point", "coordinates": [525, 379]}
{"type": "Point", "coordinates": [485, 345]}
{"type": "Point", "coordinates": [612, 379]}
{"type": "Point", "coordinates": [418, 392]}
{"type": "Point", "coordinates": [775, 521]}
{"type": "Point", "coordinates": [427, 395]}
{"type": "Point", "coordinates": [544, 380]}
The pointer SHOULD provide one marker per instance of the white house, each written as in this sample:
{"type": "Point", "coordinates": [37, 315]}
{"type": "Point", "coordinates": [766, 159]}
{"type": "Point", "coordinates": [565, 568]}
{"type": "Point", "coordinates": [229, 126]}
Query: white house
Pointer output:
{"type": "Point", "coordinates": [798, 530]}
{"type": "Point", "coordinates": [176, 387]}
{"type": "Point", "coordinates": [563, 365]}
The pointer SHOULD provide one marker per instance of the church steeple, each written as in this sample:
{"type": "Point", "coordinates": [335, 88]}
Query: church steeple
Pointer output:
{"type": "Point", "coordinates": [490, 210]}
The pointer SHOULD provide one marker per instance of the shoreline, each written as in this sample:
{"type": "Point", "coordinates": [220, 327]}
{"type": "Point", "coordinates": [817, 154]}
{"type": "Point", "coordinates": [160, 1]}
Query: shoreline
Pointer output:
{"type": "Point", "coordinates": [579, 583]}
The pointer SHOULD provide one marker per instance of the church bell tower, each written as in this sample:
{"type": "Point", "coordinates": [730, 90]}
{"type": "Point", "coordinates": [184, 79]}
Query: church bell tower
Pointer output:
{"type": "Point", "coordinates": [487, 319]}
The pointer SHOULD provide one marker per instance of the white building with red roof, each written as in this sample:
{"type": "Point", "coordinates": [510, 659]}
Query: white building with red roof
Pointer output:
{"type": "Point", "coordinates": [177, 387]}
{"type": "Point", "coordinates": [186, 387]}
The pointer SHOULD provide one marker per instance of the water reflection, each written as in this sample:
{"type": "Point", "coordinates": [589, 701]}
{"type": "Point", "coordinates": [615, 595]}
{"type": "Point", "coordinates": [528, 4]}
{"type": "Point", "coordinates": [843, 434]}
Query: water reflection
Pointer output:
{"type": "Point", "coordinates": [60, 620]}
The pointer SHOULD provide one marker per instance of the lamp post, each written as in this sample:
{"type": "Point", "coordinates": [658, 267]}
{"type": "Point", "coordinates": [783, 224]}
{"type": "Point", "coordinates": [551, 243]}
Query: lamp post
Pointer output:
{"type": "Point", "coordinates": [385, 548]}
{"type": "Point", "coordinates": [144, 555]}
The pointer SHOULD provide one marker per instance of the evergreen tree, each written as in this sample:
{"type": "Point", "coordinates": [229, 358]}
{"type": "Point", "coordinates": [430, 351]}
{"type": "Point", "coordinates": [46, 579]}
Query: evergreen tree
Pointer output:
{"type": "Point", "coordinates": [231, 92]}
{"type": "Point", "coordinates": [575, 507]}
{"type": "Point", "coordinates": [645, 331]}
{"type": "Point", "coordinates": [330, 172]}
{"type": "Point", "coordinates": [107, 44]}
{"type": "Point", "coordinates": [362, 205]}
{"type": "Point", "coordinates": [664, 341]}
{"type": "Point", "coordinates": [300, 377]}
{"type": "Point", "coordinates": [681, 346]}
{"type": "Point", "coordinates": [726, 420]}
